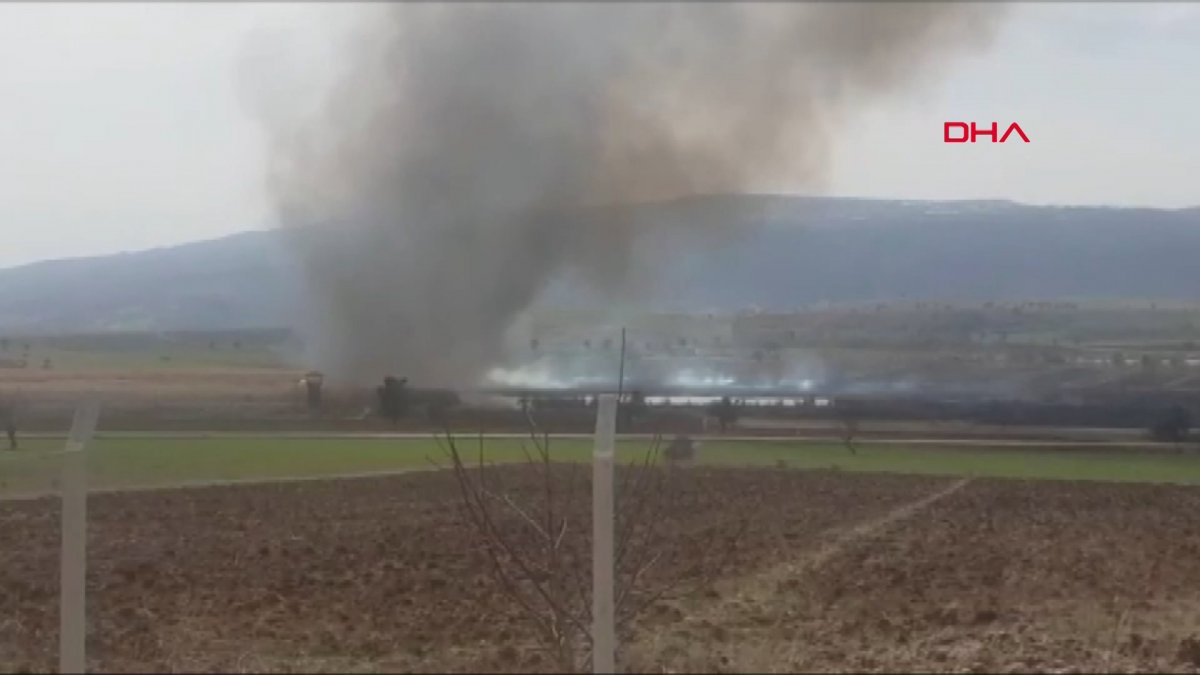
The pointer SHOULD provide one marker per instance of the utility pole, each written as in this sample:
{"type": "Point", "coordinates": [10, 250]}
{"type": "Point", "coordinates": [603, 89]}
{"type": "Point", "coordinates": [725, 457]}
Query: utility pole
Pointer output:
{"type": "Point", "coordinates": [621, 369]}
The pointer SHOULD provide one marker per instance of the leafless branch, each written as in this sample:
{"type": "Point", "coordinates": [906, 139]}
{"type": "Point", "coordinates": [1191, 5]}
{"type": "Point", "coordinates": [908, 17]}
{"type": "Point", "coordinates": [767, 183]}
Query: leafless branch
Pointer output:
{"type": "Point", "coordinates": [849, 431]}
{"type": "Point", "coordinates": [538, 552]}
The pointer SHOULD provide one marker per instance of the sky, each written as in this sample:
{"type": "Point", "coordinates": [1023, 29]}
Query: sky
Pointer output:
{"type": "Point", "coordinates": [127, 126]}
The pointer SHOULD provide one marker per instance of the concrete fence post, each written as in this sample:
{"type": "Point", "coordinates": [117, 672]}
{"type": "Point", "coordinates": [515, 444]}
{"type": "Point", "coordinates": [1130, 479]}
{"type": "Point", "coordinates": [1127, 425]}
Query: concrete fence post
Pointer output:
{"type": "Point", "coordinates": [603, 614]}
{"type": "Point", "coordinates": [72, 631]}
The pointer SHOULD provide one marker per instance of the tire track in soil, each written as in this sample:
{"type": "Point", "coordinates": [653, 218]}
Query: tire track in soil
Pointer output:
{"type": "Point", "coordinates": [740, 630]}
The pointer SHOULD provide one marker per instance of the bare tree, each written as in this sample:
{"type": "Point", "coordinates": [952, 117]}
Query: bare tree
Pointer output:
{"type": "Point", "coordinates": [540, 552]}
{"type": "Point", "coordinates": [849, 423]}
{"type": "Point", "coordinates": [849, 431]}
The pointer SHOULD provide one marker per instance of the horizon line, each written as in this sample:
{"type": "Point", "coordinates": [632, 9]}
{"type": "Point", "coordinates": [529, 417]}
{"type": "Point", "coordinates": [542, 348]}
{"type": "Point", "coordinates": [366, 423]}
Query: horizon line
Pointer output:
{"type": "Point", "coordinates": [771, 195]}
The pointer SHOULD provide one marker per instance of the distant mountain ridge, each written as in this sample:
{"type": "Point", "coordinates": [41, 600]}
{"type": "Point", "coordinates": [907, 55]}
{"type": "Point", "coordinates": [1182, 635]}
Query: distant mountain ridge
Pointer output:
{"type": "Point", "coordinates": [784, 252]}
{"type": "Point", "coordinates": [246, 280]}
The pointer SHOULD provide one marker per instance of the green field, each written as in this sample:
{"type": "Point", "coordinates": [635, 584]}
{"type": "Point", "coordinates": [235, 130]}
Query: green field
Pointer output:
{"type": "Point", "coordinates": [128, 462]}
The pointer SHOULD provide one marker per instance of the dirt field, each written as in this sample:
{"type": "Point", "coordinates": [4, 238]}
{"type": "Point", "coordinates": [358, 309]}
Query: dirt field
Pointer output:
{"type": "Point", "coordinates": [838, 572]}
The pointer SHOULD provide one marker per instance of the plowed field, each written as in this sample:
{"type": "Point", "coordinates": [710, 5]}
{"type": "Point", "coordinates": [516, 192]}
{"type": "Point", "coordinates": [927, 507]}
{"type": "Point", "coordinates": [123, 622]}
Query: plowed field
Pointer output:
{"type": "Point", "coordinates": [834, 572]}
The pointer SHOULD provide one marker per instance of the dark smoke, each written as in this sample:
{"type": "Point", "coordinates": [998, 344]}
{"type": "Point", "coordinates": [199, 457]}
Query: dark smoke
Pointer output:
{"type": "Point", "coordinates": [468, 155]}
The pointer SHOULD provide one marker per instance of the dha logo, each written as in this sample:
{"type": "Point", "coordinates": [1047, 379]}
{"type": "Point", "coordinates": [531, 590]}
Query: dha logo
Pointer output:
{"type": "Point", "coordinates": [961, 132]}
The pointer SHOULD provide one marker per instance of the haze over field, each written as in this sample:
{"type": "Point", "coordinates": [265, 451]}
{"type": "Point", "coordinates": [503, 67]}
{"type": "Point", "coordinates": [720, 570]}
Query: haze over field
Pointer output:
{"type": "Point", "coordinates": [468, 155]}
{"type": "Point", "coordinates": [345, 308]}
{"type": "Point", "coordinates": [466, 171]}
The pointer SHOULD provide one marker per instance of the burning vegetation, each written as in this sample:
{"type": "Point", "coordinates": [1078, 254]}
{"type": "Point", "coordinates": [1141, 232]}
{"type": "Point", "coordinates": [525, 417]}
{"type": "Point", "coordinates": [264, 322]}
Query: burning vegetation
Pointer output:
{"type": "Point", "coordinates": [470, 155]}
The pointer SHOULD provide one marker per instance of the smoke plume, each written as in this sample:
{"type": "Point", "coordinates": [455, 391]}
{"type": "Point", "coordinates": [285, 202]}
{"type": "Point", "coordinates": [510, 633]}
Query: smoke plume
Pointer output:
{"type": "Point", "coordinates": [468, 155]}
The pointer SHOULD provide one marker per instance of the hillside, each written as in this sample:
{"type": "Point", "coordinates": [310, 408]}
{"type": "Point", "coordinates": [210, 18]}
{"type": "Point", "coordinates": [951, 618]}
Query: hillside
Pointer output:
{"type": "Point", "coordinates": [866, 251]}
{"type": "Point", "coordinates": [778, 253]}
{"type": "Point", "coordinates": [242, 281]}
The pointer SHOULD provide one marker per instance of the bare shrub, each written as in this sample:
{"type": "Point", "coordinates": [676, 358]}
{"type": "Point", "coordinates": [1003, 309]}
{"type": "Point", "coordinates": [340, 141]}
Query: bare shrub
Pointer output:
{"type": "Point", "coordinates": [681, 449]}
{"type": "Point", "coordinates": [539, 544]}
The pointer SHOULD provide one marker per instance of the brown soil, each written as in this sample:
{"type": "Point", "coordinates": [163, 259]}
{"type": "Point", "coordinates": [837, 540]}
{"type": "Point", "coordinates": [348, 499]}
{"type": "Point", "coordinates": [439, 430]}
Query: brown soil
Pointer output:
{"type": "Point", "coordinates": [381, 574]}
{"type": "Point", "coordinates": [1000, 576]}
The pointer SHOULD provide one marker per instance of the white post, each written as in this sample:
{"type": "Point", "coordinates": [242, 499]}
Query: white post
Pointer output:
{"type": "Point", "coordinates": [603, 619]}
{"type": "Point", "coordinates": [72, 631]}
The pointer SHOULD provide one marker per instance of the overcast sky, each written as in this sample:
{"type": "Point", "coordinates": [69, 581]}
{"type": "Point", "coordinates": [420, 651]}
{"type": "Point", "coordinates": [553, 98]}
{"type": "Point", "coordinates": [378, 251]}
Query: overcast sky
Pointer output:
{"type": "Point", "coordinates": [122, 127]}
